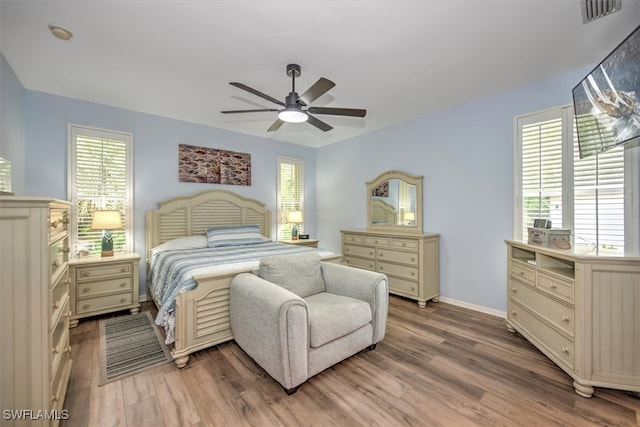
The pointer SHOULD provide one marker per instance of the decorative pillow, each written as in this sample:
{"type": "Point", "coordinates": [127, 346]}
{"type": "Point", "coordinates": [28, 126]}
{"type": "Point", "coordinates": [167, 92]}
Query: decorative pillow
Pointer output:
{"type": "Point", "coordinates": [234, 235]}
{"type": "Point", "coordinates": [299, 273]}
{"type": "Point", "coordinates": [189, 242]}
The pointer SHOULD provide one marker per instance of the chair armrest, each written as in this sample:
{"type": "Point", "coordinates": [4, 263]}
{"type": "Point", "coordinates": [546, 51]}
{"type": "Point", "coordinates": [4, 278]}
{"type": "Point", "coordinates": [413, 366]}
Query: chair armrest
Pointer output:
{"type": "Point", "coordinates": [361, 284]}
{"type": "Point", "coordinates": [270, 324]}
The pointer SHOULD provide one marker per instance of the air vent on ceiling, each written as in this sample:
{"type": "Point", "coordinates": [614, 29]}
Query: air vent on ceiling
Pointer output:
{"type": "Point", "coordinates": [594, 9]}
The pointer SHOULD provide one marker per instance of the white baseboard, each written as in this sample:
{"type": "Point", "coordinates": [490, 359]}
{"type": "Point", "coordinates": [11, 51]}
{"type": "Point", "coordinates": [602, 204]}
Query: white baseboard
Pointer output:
{"type": "Point", "coordinates": [474, 307]}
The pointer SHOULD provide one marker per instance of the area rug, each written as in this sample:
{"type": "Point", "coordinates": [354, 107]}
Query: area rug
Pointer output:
{"type": "Point", "coordinates": [130, 344]}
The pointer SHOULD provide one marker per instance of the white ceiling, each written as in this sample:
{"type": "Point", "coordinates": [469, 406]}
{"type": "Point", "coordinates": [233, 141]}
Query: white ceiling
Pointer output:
{"type": "Point", "coordinates": [398, 59]}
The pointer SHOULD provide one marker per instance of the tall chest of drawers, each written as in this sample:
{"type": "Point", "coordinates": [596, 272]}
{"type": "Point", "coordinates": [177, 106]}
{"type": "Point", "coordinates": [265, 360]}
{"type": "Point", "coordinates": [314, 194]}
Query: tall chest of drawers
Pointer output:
{"type": "Point", "coordinates": [35, 357]}
{"type": "Point", "coordinates": [582, 310]}
{"type": "Point", "coordinates": [410, 261]}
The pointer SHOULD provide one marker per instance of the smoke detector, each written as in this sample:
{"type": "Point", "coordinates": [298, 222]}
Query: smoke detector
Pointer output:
{"type": "Point", "coordinates": [594, 9]}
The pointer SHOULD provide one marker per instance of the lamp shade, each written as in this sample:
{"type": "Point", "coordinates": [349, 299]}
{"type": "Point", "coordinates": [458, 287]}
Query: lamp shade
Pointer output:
{"type": "Point", "coordinates": [106, 220]}
{"type": "Point", "coordinates": [294, 217]}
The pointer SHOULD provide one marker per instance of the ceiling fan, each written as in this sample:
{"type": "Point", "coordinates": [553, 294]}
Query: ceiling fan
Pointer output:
{"type": "Point", "coordinates": [293, 111]}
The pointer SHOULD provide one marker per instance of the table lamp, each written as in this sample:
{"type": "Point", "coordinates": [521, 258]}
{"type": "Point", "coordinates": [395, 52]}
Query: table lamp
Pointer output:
{"type": "Point", "coordinates": [106, 220]}
{"type": "Point", "coordinates": [295, 218]}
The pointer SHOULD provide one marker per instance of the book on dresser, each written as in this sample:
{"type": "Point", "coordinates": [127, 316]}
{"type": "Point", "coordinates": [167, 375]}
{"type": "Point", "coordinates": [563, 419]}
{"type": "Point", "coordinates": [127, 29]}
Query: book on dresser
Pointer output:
{"type": "Point", "coordinates": [409, 260]}
{"type": "Point", "coordinates": [35, 359]}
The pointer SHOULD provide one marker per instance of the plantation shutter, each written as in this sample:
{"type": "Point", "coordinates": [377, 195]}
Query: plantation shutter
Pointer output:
{"type": "Point", "coordinates": [541, 171]}
{"type": "Point", "coordinates": [599, 198]}
{"type": "Point", "coordinates": [290, 194]}
{"type": "Point", "coordinates": [100, 179]}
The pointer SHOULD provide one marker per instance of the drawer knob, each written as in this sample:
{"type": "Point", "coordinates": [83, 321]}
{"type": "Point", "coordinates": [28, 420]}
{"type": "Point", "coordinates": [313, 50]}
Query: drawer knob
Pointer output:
{"type": "Point", "coordinates": [86, 306]}
{"type": "Point", "coordinates": [413, 259]}
{"type": "Point", "coordinates": [381, 255]}
{"type": "Point", "coordinates": [514, 290]}
{"type": "Point", "coordinates": [564, 349]}
{"type": "Point", "coordinates": [553, 285]}
{"type": "Point", "coordinates": [123, 284]}
{"type": "Point", "coordinates": [68, 349]}
{"type": "Point", "coordinates": [564, 318]}
{"type": "Point", "coordinates": [346, 250]}
{"type": "Point", "coordinates": [521, 273]}
{"type": "Point", "coordinates": [123, 299]}
{"type": "Point", "coordinates": [404, 244]}
{"type": "Point", "coordinates": [346, 261]}
{"type": "Point", "coordinates": [85, 290]}
{"type": "Point", "coordinates": [412, 289]}
{"type": "Point", "coordinates": [371, 266]}
{"type": "Point", "coordinates": [376, 242]}
{"type": "Point", "coordinates": [371, 253]}
{"type": "Point", "coordinates": [381, 268]}
{"type": "Point", "coordinates": [56, 304]}
{"type": "Point", "coordinates": [124, 269]}
{"type": "Point", "coordinates": [56, 349]}
{"type": "Point", "coordinates": [85, 274]}
{"type": "Point", "coordinates": [69, 313]}
{"type": "Point", "coordinates": [55, 398]}
{"type": "Point", "coordinates": [413, 273]}
{"type": "Point", "coordinates": [514, 313]}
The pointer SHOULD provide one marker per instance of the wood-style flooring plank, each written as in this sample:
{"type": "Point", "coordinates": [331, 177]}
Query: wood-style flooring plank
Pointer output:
{"type": "Point", "coordinates": [438, 366]}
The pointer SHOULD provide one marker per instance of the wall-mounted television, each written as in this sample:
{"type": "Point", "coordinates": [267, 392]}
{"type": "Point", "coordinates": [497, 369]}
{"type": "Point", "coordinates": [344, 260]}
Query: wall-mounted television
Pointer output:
{"type": "Point", "coordinates": [607, 101]}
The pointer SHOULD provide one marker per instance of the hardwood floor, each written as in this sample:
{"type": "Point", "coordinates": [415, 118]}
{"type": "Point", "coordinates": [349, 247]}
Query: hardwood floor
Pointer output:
{"type": "Point", "coordinates": [438, 366]}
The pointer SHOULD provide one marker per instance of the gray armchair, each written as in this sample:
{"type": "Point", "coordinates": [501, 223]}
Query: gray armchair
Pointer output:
{"type": "Point", "coordinates": [297, 316]}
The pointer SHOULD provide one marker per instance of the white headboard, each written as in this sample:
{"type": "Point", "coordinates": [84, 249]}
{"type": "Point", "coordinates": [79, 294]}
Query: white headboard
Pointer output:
{"type": "Point", "coordinates": [189, 215]}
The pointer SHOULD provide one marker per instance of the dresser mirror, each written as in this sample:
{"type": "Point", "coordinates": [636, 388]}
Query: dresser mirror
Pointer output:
{"type": "Point", "coordinates": [394, 202]}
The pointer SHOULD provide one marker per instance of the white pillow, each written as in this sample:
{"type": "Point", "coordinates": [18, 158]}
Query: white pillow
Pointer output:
{"type": "Point", "coordinates": [234, 235]}
{"type": "Point", "coordinates": [190, 242]}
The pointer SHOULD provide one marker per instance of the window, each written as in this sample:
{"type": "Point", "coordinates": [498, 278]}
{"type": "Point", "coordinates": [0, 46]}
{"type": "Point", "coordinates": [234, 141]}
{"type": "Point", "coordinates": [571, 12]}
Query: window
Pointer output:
{"type": "Point", "coordinates": [100, 177]}
{"type": "Point", "coordinates": [290, 195]}
{"type": "Point", "coordinates": [584, 195]}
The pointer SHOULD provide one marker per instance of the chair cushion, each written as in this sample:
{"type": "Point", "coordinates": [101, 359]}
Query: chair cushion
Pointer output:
{"type": "Point", "coordinates": [299, 273]}
{"type": "Point", "coordinates": [333, 316]}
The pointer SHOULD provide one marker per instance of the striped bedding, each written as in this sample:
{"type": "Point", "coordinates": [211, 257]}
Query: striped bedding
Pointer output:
{"type": "Point", "coordinates": [171, 271]}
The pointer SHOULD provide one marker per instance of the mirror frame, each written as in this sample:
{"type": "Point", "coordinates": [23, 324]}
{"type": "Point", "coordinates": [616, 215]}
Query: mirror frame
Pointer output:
{"type": "Point", "coordinates": [410, 179]}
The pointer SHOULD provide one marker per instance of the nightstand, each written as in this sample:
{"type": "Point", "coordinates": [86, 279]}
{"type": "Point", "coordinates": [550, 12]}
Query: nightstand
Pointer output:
{"type": "Point", "coordinates": [312, 243]}
{"type": "Point", "coordinates": [103, 285]}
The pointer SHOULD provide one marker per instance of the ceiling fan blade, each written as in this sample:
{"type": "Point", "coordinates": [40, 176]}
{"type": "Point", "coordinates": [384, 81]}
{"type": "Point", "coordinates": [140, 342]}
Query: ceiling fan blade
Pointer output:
{"type": "Point", "coordinates": [248, 111]}
{"type": "Point", "coordinates": [275, 126]}
{"type": "Point", "coordinates": [353, 112]}
{"type": "Point", "coordinates": [318, 123]}
{"type": "Point", "coordinates": [256, 92]}
{"type": "Point", "coordinates": [318, 89]}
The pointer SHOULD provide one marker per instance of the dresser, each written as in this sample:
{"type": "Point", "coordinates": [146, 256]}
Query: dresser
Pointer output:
{"type": "Point", "coordinates": [35, 358]}
{"type": "Point", "coordinates": [103, 285]}
{"type": "Point", "coordinates": [409, 260]}
{"type": "Point", "coordinates": [581, 309]}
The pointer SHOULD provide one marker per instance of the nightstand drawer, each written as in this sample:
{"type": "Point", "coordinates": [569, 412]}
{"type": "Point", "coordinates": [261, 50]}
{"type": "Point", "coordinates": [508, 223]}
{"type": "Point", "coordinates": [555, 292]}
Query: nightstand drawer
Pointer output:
{"type": "Point", "coordinates": [103, 303]}
{"type": "Point", "coordinates": [97, 272]}
{"type": "Point", "coordinates": [91, 289]}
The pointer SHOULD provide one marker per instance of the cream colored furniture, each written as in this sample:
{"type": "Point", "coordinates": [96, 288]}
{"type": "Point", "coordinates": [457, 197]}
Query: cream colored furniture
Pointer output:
{"type": "Point", "coordinates": [312, 243]}
{"type": "Point", "coordinates": [35, 358]}
{"type": "Point", "coordinates": [409, 260]}
{"type": "Point", "coordinates": [202, 314]}
{"type": "Point", "coordinates": [399, 206]}
{"type": "Point", "coordinates": [581, 310]}
{"type": "Point", "coordinates": [103, 285]}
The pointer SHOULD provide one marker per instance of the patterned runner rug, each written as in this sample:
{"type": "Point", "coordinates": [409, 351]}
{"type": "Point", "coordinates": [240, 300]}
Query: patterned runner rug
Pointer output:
{"type": "Point", "coordinates": [130, 344]}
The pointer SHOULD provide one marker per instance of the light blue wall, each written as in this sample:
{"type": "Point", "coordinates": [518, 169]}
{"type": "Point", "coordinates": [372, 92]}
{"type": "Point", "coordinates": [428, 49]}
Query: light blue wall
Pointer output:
{"type": "Point", "coordinates": [466, 157]}
{"type": "Point", "coordinates": [12, 123]}
{"type": "Point", "coordinates": [155, 143]}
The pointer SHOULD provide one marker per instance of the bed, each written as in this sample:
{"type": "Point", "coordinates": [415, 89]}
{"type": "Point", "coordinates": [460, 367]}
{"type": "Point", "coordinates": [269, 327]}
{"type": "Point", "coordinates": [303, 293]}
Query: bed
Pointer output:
{"type": "Point", "coordinates": [200, 316]}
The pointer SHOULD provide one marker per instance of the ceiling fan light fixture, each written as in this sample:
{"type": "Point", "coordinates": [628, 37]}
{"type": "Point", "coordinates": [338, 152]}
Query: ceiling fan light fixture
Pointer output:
{"type": "Point", "coordinates": [292, 115]}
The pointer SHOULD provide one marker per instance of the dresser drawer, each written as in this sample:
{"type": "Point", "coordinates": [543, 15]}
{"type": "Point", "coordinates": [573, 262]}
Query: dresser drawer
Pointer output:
{"type": "Point", "coordinates": [376, 241]}
{"type": "Point", "coordinates": [397, 270]}
{"type": "Point", "coordinates": [360, 251]}
{"type": "Point", "coordinates": [103, 302]}
{"type": "Point", "coordinates": [60, 380]}
{"type": "Point", "coordinates": [558, 314]}
{"type": "Point", "coordinates": [59, 294]}
{"type": "Point", "coordinates": [560, 288]}
{"type": "Point", "coordinates": [561, 348]}
{"type": "Point", "coordinates": [404, 243]}
{"type": "Point", "coordinates": [353, 238]}
{"type": "Point", "coordinates": [521, 272]}
{"type": "Point", "coordinates": [367, 264]}
{"type": "Point", "coordinates": [58, 255]}
{"type": "Point", "coordinates": [402, 286]}
{"type": "Point", "coordinates": [58, 222]}
{"type": "Point", "coordinates": [59, 339]}
{"type": "Point", "coordinates": [91, 289]}
{"type": "Point", "coordinates": [410, 258]}
{"type": "Point", "coordinates": [99, 272]}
